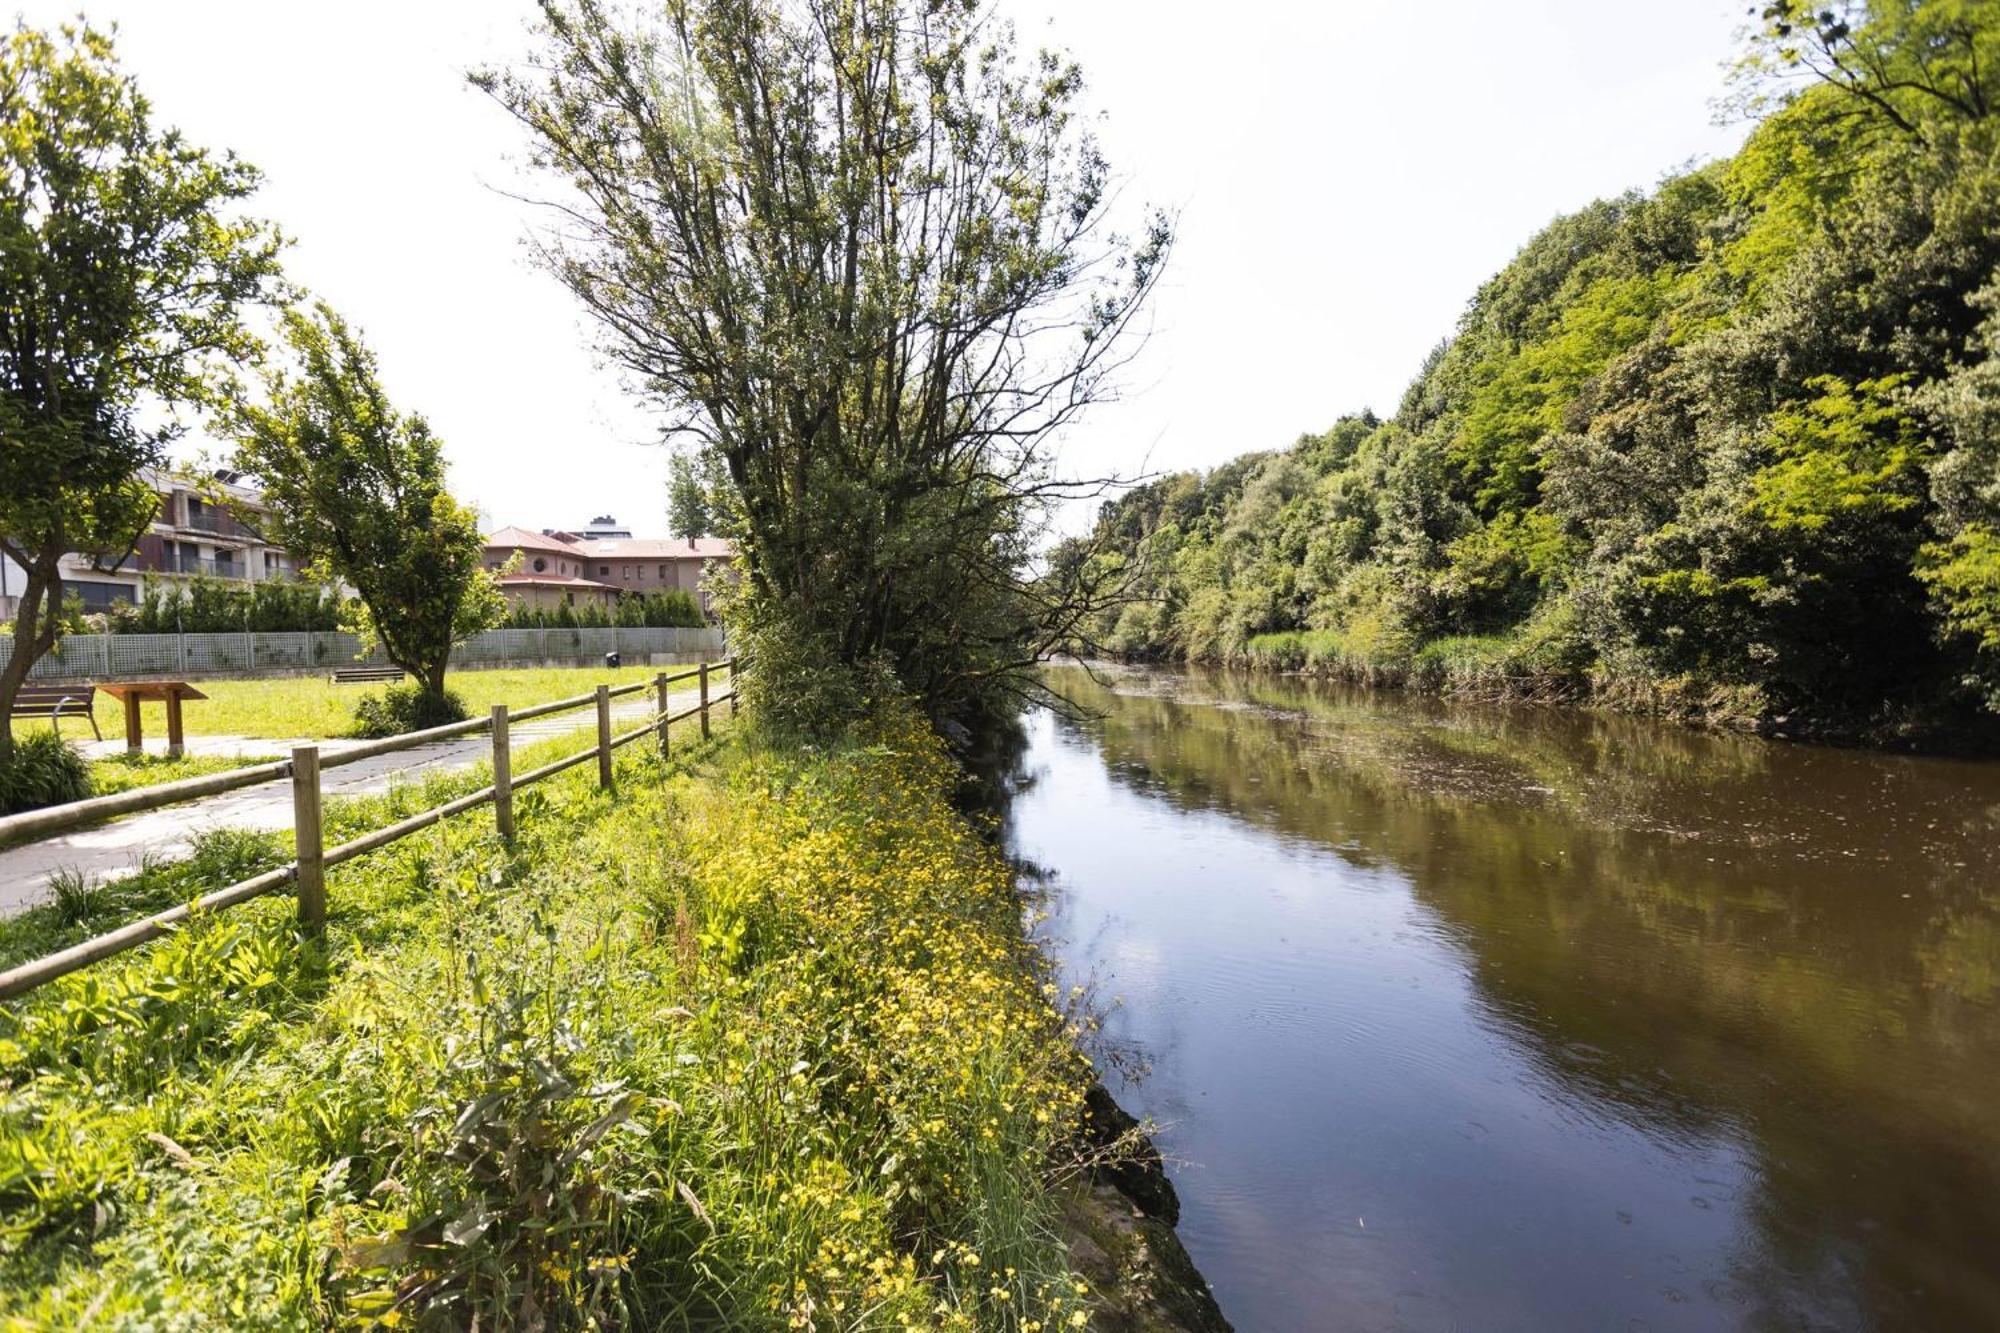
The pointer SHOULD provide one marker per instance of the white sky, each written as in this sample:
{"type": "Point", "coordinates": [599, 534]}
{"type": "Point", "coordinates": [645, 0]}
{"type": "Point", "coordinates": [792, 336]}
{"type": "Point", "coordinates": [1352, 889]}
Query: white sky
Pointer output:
{"type": "Point", "coordinates": [1346, 174]}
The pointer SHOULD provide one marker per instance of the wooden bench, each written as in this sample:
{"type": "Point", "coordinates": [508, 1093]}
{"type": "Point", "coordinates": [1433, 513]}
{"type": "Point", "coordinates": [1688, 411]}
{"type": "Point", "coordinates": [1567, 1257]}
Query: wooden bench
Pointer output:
{"type": "Point", "coordinates": [55, 701]}
{"type": "Point", "coordinates": [355, 675]}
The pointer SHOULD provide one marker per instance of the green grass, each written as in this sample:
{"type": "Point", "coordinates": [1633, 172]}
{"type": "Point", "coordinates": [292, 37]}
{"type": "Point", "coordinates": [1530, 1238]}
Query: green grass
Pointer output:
{"type": "Point", "coordinates": [752, 1042]}
{"type": "Point", "coordinates": [309, 708]}
{"type": "Point", "coordinates": [221, 857]}
{"type": "Point", "coordinates": [124, 772]}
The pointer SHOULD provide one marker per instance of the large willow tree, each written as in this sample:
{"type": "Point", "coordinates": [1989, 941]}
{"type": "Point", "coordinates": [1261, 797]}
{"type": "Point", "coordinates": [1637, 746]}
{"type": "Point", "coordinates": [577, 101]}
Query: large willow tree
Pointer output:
{"type": "Point", "coordinates": [859, 251]}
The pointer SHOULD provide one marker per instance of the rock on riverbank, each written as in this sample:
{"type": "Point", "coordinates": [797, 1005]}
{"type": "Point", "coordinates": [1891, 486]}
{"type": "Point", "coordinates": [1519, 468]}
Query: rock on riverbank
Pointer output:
{"type": "Point", "coordinates": [1121, 1224]}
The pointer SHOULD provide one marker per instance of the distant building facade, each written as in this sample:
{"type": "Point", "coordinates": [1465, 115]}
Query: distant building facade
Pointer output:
{"type": "Point", "coordinates": [598, 565]}
{"type": "Point", "coordinates": [202, 527]}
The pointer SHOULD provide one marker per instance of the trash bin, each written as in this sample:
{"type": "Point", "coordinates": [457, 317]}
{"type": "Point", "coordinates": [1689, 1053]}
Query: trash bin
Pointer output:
{"type": "Point", "coordinates": [611, 660]}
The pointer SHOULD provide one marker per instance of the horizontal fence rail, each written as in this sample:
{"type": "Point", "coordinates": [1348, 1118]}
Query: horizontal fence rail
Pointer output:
{"type": "Point", "coordinates": [306, 872]}
{"type": "Point", "coordinates": [109, 656]}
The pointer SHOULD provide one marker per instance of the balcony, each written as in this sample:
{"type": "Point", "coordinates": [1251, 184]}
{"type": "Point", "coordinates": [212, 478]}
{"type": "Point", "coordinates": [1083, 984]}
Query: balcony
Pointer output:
{"type": "Point", "coordinates": [174, 563]}
{"type": "Point", "coordinates": [219, 525]}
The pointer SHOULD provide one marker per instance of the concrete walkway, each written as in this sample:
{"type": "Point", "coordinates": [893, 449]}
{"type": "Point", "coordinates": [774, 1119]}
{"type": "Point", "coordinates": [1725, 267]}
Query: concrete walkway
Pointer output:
{"type": "Point", "coordinates": [111, 851]}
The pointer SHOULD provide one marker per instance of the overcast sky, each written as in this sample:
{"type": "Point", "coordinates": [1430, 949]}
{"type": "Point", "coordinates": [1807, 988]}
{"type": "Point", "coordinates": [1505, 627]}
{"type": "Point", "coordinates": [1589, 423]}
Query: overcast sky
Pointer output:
{"type": "Point", "coordinates": [1346, 173]}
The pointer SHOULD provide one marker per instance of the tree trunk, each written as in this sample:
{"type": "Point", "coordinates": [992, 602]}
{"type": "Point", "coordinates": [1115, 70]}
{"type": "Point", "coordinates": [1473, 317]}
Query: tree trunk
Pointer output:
{"type": "Point", "coordinates": [431, 677]}
{"type": "Point", "coordinates": [34, 634]}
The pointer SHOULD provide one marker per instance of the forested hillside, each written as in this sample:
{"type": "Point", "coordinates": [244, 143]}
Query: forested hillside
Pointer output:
{"type": "Point", "coordinates": [1733, 444]}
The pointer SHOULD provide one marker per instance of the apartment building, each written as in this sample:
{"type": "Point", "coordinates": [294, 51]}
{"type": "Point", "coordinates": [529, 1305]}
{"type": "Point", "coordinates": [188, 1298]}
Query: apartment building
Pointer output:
{"type": "Point", "coordinates": [547, 571]}
{"type": "Point", "coordinates": [199, 529]}
{"type": "Point", "coordinates": [558, 567]}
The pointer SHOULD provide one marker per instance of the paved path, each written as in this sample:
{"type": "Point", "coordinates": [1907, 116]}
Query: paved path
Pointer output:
{"type": "Point", "coordinates": [112, 850]}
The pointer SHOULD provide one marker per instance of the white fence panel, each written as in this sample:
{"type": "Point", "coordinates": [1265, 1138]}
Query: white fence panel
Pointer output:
{"type": "Point", "coordinates": [145, 654]}
{"type": "Point", "coordinates": [110, 656]}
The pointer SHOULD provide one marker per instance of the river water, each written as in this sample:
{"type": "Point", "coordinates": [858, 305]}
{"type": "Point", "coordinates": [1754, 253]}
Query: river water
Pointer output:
{"type": "Point", "coordinates": [1471, 1017]}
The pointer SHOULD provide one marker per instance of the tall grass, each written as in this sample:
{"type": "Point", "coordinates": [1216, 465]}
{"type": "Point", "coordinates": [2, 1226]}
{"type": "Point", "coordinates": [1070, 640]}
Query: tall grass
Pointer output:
{"type": "Point", "coordinates": [753, 1042]}
{"type": "Point", "coordinates": [42, 771]}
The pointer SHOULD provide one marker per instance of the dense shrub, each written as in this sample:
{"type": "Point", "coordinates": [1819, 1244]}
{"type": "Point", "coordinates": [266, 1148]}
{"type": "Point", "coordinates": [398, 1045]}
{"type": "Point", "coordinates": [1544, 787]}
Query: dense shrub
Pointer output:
{"type": "Point", "coordinates": [209, 606]}
{"type": "Point", "coordinates": [405, 708]}
{"type": "Point", "coordinates": [674, 608]}
{"type": "Point", "coordinates": [1736, 435]}
{"type": "Point", "coordinates": [42, 771]}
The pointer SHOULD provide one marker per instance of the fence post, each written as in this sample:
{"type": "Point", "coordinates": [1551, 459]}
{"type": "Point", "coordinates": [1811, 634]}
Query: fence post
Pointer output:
{"type": "Point", "coordinates": [503, 774]}
{"type": "Point", "coordinates": [735, 690]}
{"type": "Point", "coordinates": [604, 735]}
{"type": "Point", "coordinates": [660, 702]}
{"type": "Point", "coordinates": [307, 837]}
{"type": "Point", "coordinates": [704, 701]}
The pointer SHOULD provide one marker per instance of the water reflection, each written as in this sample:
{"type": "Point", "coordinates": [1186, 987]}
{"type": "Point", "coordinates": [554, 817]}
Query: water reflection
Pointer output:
{"type": "Point", "coordinates": [1475, 1017]}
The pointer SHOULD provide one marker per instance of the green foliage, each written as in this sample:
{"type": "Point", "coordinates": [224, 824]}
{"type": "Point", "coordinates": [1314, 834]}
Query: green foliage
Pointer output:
{"type": "Point", "coordinates": [694, 495]}
{"type": "Point", "coordinates": [674, 608]}
{"type": "Point", "coordinates": [1963, 576]}
{"type": "Point", "coordinates": [357, 489]}
{"type": "Point", "coordinates": [1898, 66]}
{"type": "Point", "coordinates": [122, 271]}
{"type": "Point", "coordinates": [206, 605]}
{"type": "Point", "coordinates": [1740, 436]}
{"type": "Point", "coordinates": [757, 1048]}
{"type": "Point", "coordinates": [402, 708]}
{"type": "Point", "coordinates": [862, 254]}
{"type": "Point", "coordinates": [40, 770]}
{"type": "Point", "coordinates": [1790, 575]}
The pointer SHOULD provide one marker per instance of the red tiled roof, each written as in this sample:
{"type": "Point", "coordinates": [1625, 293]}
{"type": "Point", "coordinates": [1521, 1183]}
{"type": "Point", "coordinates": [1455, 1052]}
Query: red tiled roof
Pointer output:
{"type": "Point", "coordinates": [522, 539]}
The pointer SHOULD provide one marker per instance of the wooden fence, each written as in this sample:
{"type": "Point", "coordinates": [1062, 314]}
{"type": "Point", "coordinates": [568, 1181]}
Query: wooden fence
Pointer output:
{"type": "Point", "coordinates": [307, 870]}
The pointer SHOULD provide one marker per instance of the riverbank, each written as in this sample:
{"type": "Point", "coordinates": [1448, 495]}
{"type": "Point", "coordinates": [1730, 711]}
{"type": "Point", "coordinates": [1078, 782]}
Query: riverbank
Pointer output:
{"type": "Point", "coordinates": [1522, 669]}
{"type": "Point", "coordinates": [754, 1041]}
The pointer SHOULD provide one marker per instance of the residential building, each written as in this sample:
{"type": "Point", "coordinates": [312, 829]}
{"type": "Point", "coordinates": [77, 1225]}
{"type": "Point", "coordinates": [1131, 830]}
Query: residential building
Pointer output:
{"type": "Point", "coordinates": [556, 567]}
{"type": "Point", "coordinates": [543, 570]}
{"type": "Point", "coordinates": [202, 527]}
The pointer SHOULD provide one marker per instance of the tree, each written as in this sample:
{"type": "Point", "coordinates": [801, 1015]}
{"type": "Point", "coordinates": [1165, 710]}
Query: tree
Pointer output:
{"type": "Point", "coordinates": [357, 489]}
{"type": "Point", "coordinates": [121, 279]}
{"type": "Point", "coordinates": [687, 498]}
{"type": "Point", "coordinates": [1739, 437]}
{"type": "Point", "coordinates": [1901, 63]}
{"type": "Point", "coordinates": [863, 258]}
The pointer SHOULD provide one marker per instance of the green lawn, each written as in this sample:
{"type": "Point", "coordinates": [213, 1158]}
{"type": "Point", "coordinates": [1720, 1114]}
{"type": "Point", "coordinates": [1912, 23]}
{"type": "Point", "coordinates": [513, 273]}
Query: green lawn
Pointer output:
{"type": "Point", "coordinates": [308, 707]}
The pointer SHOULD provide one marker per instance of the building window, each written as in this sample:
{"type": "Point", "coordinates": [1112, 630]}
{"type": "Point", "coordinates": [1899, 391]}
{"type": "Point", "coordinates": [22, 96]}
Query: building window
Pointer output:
{"type": "Point", "coordinates": [541, 565]}
{"type": "Point", "coordinates": [663, 573]}
{"type": "Point", "coordinates": [99, 596]}
{"type": "Point", "coordinates": [603, 571]}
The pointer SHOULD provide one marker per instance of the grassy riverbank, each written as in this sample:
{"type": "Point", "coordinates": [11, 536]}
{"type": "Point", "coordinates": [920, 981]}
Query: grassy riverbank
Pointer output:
{"type": "Point", "coordinates": [754, 1042]}
{"type": "Point", "coordinates": [1521, 667]}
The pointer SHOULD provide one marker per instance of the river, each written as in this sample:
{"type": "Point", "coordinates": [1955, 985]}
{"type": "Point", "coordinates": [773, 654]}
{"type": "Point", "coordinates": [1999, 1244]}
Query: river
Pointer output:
{"type": "Point", "coordinates": [1462, 1016]}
